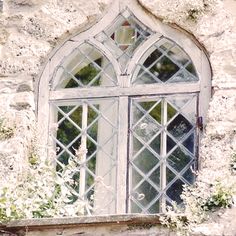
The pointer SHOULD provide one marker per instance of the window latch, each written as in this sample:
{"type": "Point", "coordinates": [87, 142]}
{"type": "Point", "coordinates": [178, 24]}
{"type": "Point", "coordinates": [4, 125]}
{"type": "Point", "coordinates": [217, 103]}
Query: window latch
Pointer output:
{"type": "Point", "coordinates": [200, 123]}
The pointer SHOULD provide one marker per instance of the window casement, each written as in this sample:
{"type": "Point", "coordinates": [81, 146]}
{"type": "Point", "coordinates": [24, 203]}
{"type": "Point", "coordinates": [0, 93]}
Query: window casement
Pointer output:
{"type": "Point", "coordinates": [126, 96]}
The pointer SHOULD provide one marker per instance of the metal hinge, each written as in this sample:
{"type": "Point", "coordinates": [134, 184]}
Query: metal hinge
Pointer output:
{"type": "Point", "coordinates": [200, 123]}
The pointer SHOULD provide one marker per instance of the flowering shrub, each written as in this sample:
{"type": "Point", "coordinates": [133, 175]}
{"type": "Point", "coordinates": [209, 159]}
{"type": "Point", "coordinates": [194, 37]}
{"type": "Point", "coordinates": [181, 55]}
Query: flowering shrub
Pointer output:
{"type": "Point", "coordinates": [198, 201]}
{"type": "Point", "coordinates": [41, 193]}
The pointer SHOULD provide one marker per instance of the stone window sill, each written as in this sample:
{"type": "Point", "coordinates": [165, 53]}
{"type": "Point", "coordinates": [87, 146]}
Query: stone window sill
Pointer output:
{"type": "Point", "coordinates": [84, 221]}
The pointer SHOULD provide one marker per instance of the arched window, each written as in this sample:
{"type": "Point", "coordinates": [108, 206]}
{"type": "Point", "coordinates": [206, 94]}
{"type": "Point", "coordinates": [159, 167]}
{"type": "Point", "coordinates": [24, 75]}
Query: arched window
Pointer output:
{"type": "Point", "coordinates": [126, 97]}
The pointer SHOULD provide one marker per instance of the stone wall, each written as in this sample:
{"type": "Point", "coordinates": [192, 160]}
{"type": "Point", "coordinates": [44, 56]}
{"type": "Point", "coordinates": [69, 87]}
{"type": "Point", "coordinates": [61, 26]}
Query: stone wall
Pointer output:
{"type": "Point", "coordinates": [30, 30]}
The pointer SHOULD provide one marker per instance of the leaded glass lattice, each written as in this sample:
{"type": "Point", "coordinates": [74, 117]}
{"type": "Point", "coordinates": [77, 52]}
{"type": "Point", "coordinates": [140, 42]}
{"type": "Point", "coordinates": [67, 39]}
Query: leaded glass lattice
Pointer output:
{"type": "Point", "coordinates": [80, 138]}
{"type": "Point", "coordinates": [85, 67]}
{"type": "Point", "coordinates": [124, 36]}
{"type": "Point", "coordinates": [165, 62]}
{"type": "Point", "coordinates": [162, 150]}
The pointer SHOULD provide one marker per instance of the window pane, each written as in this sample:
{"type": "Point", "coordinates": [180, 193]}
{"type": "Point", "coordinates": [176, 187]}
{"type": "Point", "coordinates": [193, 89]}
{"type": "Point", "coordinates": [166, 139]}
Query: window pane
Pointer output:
{"type": "Point", "coordinates": [162, 150]}
{"type": "Point", "coordinates": [87, 137]}
{"type": "Point", "coordinates": [167, 63]}
{"type": "Point", "coordinates": [124, 35]}
{"type": "Point", "coordinates": [84, 67]}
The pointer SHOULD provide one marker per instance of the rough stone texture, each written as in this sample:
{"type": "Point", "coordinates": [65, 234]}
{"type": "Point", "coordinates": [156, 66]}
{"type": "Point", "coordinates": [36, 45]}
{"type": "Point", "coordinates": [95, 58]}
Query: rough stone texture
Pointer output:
{"type": "Point", "coordinates": [30, 29]}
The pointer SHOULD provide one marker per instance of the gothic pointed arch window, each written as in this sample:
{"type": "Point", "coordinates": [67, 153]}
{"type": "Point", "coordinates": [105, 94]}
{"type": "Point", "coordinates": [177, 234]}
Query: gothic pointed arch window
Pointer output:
{"type": "Point", "coordinates": [126, 96]}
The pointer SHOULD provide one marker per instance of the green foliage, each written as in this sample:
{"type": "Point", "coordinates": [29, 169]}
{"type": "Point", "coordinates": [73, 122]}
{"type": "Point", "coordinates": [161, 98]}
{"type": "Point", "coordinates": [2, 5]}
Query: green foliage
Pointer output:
{"type": "Point", "coordinates": [6, 131]}
{"type": "Point", "coordinates": [199, 200]}
{"type": "Point", "coordinates": [222, 197]}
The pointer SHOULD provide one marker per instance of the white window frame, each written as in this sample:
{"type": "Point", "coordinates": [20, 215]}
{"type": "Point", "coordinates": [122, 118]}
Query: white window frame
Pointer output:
{"type": "Point", "coordinates": [188, 43]}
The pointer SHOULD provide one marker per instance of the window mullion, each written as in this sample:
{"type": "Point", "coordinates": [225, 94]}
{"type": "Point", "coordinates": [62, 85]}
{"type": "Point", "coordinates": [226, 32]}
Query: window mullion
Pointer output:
{"type": "Point", "coordinates": [122, 155]}
{"type": "Point", "coordinates": [82, 150]}
{"type": "Point", "coordinates": [163, 153]}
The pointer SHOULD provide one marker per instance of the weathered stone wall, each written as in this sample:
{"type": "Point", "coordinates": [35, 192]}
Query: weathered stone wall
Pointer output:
{"type": "Point", "coordinates": [30, 29]}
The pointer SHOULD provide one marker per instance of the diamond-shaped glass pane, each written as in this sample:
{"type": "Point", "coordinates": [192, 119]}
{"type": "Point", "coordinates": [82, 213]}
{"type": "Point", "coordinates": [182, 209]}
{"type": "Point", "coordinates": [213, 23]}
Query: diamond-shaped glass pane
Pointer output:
{"type": "Point", "coordinates": [175, 191]}
{"type": "Point", "coordinates": [75, 116]}
{"type": "Point", "coordinates": [178, 159]}
{"type": "Point", "coordinates": [123, 36]}
{"type": "Point", "coordinates": [145, 193]}
{"type": "Point", "coordinates": [153, 108]}
{"type": "Point", "coordinates": [146, 128]}
{"type": "Point", "coordinates": [164, 69]}
{"type": "Point", "coordinates": [145, 161]}
{"type": "Point", "coordinates": [179, 127]}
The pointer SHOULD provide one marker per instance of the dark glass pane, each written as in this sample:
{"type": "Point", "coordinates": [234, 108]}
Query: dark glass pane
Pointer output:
{"type": "Point", "coordinates": [178, 159]}
{"type": "Point", "coordinates": [170, 143]}
{"type": "Point", "coordinates": [169, 175]}
{"type": "Point", "coordinates": [189, 176]}
{"type": "Point", "coordinates": [175, 191]}
{"type": "Point", "coordinates": [67, 132]}
{"type": "Point", "coordinates": [152, 58]}
{"type": "Point", "coordinates": [179, 127]}
{"type": "Point", "coordinates": [189, 143]}
{"type": "Point", "coordinates": [164, 69]}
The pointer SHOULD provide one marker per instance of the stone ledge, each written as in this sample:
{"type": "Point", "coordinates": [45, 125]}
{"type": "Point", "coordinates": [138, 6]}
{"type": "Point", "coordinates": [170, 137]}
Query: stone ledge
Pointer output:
{"type": "Point", "coordinates": [128, 219]}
